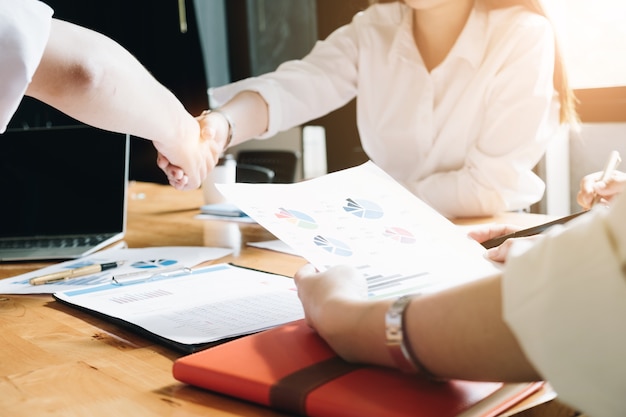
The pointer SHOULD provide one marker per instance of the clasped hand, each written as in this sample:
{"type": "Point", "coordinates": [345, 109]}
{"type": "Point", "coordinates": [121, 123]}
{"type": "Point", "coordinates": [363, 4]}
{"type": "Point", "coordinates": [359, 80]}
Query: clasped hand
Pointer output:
{"type": "Point", "coordinates": [188, 161]}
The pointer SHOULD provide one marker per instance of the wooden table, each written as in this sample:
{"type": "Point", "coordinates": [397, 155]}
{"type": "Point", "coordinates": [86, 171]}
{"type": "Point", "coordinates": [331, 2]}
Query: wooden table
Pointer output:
{"type": "Point", "coordinates": [58, 361]}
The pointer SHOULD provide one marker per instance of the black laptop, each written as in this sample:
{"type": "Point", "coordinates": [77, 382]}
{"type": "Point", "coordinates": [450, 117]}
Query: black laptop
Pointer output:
{"type": "Point", "coordinates": [63, 191]}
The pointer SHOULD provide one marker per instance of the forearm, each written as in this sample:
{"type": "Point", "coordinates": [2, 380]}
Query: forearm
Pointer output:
{"type": "Point", "coordinates": [110, 89]}
{"type": "Point", "coordinates": [457, 333]}
{"type": "Point", "coordinates": [460, 333]}
{"type": "Point", "coordinates": [355, 330]}
{"type": "Point", "coordinates": [249, 114]}
{"type": "Point", "coordinates": [482, 186]}
{"type": "Point", "coordinates": [464, 195]}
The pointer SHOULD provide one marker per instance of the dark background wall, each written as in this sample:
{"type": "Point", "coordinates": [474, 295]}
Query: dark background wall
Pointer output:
{"type": "Point", "coordinates": [151, 31]}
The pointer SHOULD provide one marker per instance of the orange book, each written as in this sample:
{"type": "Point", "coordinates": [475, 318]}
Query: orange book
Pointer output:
{"type": "Point", "coordinates": [291, 369]}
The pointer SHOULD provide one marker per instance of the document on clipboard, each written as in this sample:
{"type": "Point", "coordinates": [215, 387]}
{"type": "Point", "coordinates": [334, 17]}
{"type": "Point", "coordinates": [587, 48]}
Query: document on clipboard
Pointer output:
{"type": "Point", "coordinates": [194, 308]}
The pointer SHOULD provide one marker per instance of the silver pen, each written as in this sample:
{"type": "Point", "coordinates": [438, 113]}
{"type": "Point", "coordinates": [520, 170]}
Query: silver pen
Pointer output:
{"type": "Point", "coordinates": [142, 276]}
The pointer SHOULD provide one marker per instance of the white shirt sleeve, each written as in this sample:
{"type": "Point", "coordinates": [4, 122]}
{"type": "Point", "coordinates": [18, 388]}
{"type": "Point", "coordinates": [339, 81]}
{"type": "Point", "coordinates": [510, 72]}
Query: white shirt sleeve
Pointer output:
{"type": "Point", "coordinates": [565, 299]}
{"type": "Point", "coordinates": [303, 90]}
{"type": "Point", "coordinates": [24, 31]}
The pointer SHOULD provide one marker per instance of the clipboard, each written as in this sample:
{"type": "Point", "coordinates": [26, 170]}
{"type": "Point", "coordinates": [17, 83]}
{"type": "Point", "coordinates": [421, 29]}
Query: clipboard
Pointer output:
{"type": "Point", "coordinates": [191, 311]}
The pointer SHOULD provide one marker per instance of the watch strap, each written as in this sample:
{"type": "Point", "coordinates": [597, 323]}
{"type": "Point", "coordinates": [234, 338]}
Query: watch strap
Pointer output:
{"type": "Point", "coordinates": [397, 342]}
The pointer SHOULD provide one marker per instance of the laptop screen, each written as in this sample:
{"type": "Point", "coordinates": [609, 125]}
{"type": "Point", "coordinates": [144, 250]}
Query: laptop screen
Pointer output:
{"type": "Point", "coordinates": [62, 181]}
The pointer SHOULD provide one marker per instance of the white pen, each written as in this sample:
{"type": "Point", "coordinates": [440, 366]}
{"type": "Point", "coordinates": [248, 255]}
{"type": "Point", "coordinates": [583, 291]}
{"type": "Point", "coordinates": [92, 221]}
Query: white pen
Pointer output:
{"type": "Point", "coordinates": [611, 165]}
{"type": "Point", "coordinates": [148, 274]}
{"type": "Point", "coordinates": [73, 273]}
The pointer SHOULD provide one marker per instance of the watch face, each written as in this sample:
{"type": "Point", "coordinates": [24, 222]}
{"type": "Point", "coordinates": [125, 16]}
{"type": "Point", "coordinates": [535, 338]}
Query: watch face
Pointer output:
{"type": "Point", "coordinates": [394, 334]}
{"type": "Point", "coordinates": [393, 321]}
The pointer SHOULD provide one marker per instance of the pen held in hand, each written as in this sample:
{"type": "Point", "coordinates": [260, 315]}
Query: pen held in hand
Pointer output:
{"type": "Point", "coordinates": [73, 273]}
{"type": "Point", "coordinates": [611, 165]}
{"type": "Point", "coordinates": [497, 241]}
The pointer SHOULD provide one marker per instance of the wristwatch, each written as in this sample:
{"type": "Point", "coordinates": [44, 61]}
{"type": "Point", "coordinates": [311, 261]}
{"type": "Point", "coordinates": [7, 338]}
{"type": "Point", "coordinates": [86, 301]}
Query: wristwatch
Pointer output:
{"type": "Point", "coordinates": [394, 331]}
{"type": "Point", "coordinates": [229, 120]}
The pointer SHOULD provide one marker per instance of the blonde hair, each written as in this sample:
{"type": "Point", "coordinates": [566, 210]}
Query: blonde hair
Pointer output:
{"type": "Point", "coordinates": [567, 98]}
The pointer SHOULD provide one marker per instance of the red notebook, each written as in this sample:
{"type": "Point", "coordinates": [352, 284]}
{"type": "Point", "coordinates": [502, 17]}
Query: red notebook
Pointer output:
{"type": "Point", "coordinates": [291, 369]}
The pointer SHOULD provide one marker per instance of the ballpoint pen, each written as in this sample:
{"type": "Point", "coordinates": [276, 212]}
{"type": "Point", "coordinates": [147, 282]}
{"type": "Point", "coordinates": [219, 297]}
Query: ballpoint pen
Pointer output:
{"type": "Point", "coordinates": [74, 273]}
{"type": "Point", "coordinates": [152, 274]}
{"type": "Point", "coordinates": [611, 165]}
{"type": "Point", "coordinates": [142, 276]}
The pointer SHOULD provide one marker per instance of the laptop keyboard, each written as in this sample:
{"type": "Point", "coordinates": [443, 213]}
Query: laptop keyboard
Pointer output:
{"type": "Point", "coordinates": [57, 242]}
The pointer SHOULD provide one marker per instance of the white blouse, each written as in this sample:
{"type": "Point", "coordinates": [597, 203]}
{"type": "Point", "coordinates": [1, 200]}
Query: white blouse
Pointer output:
{"type": "Point", "coordinates": [24, 31]}
{"type": "Point", "coordinates": [565, 299]}
{"type": "Point", "coordinates": [463, 137]}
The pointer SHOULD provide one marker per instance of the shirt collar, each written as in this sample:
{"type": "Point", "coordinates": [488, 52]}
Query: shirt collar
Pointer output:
{"type": "Point", "coordinates": [470, 45]}
{"type": "Point", "coordinates": [403, 44]}
{"type": "Point", "coordinates": [472, 41]}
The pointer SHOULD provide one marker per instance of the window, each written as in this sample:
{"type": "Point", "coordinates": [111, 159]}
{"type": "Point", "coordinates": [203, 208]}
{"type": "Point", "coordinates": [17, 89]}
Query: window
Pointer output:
{"type": "Point", "coordinates": [593, 35]}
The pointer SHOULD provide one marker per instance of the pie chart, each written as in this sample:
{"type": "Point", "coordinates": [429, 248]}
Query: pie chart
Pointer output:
{"type": "Point", "coordinates": [400, 235]}
{"type": "Point", "coordinates": [154, 263]}
{"type": "Point", "coordinates": [297, 218]}
{"type": "Point", "coordinates": [333, 246]}
{"type": "Point", "coordinates": [363, 208]}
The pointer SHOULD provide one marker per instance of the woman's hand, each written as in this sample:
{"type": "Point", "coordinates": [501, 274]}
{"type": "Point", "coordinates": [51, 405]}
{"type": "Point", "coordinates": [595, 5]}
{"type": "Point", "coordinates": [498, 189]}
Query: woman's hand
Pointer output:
{"type": "Point", "coordinates": [593, 190]}
{"type": "Point", "coordinates": [484, 233]}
